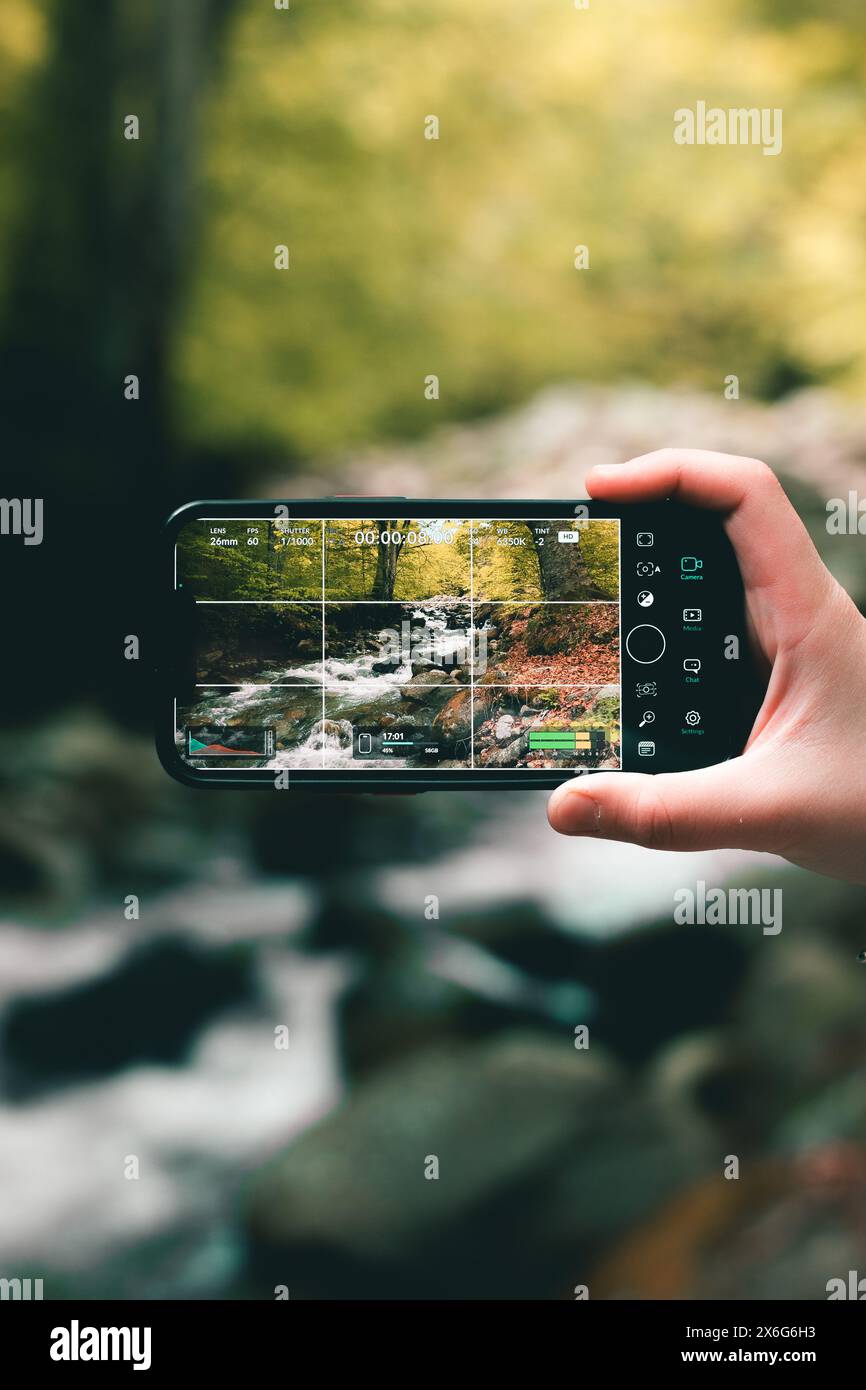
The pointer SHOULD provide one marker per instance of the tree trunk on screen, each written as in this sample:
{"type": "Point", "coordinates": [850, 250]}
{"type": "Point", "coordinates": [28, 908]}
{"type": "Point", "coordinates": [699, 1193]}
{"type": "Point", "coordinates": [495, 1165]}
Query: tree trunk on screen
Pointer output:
{"type": "Point", "coordinates": [562, 570]}
{"type": "Point", "coordinates": [387, 555]}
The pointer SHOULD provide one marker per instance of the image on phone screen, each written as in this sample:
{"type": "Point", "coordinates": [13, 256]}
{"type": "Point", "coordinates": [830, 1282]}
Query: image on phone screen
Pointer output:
{"type": "Point", "coordinates": [445, 643]}
{"type": "Point", "coordinates": [451, 647]}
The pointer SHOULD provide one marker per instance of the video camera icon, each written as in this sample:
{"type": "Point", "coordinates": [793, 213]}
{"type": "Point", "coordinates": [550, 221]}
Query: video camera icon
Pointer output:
{"type": "Point", "coordinates": [690, 563]}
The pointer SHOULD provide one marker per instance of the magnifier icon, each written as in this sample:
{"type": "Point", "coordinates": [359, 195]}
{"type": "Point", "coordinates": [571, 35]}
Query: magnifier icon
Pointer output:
{"type": "Point", "coordinates": [648, 718]}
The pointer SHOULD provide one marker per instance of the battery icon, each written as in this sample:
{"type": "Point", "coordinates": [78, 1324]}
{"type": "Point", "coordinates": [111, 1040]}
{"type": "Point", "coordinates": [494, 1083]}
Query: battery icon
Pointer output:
{"type": "Point", "coordinates": [365, 743]}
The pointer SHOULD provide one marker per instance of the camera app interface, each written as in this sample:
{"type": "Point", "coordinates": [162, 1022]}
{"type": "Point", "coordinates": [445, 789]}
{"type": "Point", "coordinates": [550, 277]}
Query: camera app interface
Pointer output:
{"type": "Point", "coordinates": [344, 644]}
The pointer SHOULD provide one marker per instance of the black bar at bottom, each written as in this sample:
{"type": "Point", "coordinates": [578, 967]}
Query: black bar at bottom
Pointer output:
{"type": "Point", "coordinates": [164, 1339]}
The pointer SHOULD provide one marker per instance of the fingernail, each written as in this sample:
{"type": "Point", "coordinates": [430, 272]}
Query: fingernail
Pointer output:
{"type": "Point", "coordinates": [574, 811]}
{"type": "Point", "coordinates": [606, 470]}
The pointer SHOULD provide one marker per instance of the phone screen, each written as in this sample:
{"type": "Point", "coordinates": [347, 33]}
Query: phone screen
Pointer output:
{"type": "Point", "coordinates": [449, 646]}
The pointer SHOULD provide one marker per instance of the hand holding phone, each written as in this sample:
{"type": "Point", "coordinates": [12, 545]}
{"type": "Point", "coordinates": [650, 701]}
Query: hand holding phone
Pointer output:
{"type": "Point", "coordinates": [799, 789]}
{"type": "Point", "coordinates": [418, 644]}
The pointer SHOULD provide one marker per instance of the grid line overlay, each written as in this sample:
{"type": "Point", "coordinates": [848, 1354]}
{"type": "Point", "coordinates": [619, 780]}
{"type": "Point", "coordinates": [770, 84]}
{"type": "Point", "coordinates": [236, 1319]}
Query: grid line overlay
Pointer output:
{"type": "Point", "coordinates": [364, 683]}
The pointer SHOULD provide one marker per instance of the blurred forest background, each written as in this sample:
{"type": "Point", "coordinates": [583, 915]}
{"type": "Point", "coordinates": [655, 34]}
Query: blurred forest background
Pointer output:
{"type": "Point", "coordinates": [408, 1035]}
{"type": "Point", "coordinates": [411, 256]}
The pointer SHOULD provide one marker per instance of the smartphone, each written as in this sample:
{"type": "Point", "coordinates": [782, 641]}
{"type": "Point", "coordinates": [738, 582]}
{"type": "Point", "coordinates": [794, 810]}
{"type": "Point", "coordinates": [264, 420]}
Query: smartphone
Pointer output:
{"type": "Point", "coordinates": [391, 643]}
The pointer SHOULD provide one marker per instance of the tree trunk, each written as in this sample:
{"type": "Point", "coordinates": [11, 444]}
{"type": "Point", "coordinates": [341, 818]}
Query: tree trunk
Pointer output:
{"type": "Point", "coordinates": [100, 246]}
{"type": "Point", "coordinates": [97, 254]}
{"type": "Point", "coordinates": [561, 568]}
{"type": "Point", "coordinates": [386, 561]}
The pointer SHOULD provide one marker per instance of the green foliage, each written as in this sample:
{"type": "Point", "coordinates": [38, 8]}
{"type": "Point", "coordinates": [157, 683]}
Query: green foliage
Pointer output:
{"type": "Point", "coordinates": [413, 256]}
{"type": "Point", "coordinates": [455, 257]}
{"type": "Point", "coordinates": [251, 560]}
{"type": "Point", "coordinates": [523, 560]}
{"type": "Point", "coordinates": [431, 560]}
{"type": "Point", "coordinates": [505, 561]}
{"type": "Point", "coordinates": [599, 546]}
{"type": "Point", "coordinates": [605, 709]}
{"type": "Point", "coordinates": [263, 634]}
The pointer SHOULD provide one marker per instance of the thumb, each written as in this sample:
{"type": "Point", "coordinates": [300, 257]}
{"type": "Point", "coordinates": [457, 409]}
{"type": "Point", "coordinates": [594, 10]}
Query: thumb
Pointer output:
{"type": "Point", "coordinates": [730, 805]}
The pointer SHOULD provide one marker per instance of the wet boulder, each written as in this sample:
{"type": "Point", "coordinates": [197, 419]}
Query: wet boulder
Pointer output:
{"type": "Point", "coordinates": [448, 1173]}
{"type": "Point", "coordinates": [453, 723]}
{"type": "Point", "coordinates": [423, 688]}
{"type": "Point", "coordinates": [328, 733]}
{"type": "Point", "coordinates": [352, 1207]}
{"type": "Point", "coordinates": [508, 755]}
